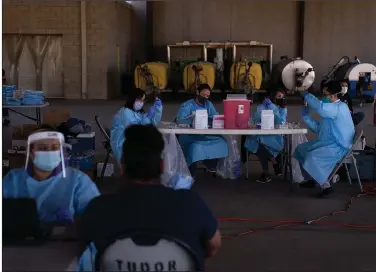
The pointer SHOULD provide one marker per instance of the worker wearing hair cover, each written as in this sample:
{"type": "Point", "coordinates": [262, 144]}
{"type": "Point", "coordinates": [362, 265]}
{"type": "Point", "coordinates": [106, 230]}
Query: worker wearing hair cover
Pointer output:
{"type": "Point", "coordinates": [357, 117]}
{"type": "Point", "coordinates": [61, 192]}
{"type": "Point", "coordinates": [133, 114]}
{"type": "Point", "coordinates": [206, 148]}
{"type": "Point", "coordinates": [267, 147]}
{"type": "Point", "coordinates": [335, 134]}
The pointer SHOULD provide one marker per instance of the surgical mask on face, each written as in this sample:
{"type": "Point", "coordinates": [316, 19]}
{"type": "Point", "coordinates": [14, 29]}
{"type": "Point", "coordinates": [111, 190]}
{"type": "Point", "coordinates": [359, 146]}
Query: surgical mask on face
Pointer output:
{"type": "Point", "coordinates": [325, 100]}
{"type": "Point", "coordinates": [137, 106]}
{"type": "Point", "coordinates": [47, 160]}
{"type": "Point", "coordinates": [344, 90]}
{"type": "Point", "coordinates": [202, 100]}
{"type": "Point", "coordinates": [280, 101]}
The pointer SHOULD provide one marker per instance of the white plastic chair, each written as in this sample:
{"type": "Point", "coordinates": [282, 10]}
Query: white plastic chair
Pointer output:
{"type": "Point", "coordinates": [156, 254]}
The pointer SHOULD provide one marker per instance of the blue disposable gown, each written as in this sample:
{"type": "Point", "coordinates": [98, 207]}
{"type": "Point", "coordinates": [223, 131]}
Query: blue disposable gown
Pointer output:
{"type": "Point", "coordinates": [71, 194]}
{"type": "Point", "coordinates": [273, 143]}
{"type": "Point", "coordinates": [335, 134]}
{"type": "Point", "coordinates": [126, 117]}
{"type": "Point", "coordinates": [200, 147]}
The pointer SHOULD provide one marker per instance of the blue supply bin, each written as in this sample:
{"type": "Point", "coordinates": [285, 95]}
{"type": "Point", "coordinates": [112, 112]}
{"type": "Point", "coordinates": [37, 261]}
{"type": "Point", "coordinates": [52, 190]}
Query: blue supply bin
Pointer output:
{"type": "Point", "coordinates": [83, 143]}
{"type": "Point", "coordinates": [82, 162]}
{"type": "Point", "coordinates": [366, 163]}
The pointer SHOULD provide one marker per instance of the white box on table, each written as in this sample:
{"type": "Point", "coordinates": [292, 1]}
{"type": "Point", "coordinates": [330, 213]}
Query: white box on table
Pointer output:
{"type": "Point", "coordinates": [200, 119]}
{"type": "Point", "coordinates": [218, 121]}
{"type": "Point", "coordinates": [267, 119]}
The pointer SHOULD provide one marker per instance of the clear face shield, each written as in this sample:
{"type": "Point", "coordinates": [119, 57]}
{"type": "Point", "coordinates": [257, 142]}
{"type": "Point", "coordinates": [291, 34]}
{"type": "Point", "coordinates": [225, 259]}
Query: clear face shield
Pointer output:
{"type": "Point", "coordinates": [46, 151]}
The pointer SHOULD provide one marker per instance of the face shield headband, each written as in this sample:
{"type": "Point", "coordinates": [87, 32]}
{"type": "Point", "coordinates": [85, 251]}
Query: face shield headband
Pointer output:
{"type": "Point", "coordinates": [45, 135]}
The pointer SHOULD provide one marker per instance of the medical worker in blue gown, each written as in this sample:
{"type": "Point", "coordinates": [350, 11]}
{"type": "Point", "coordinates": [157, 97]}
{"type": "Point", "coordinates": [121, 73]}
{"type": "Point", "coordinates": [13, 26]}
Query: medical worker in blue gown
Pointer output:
{"type": "Point", "coordinates": [335, 134]}
{"type": "Point", "coordinates": [61, 192]}
{"type": "Point", "coordinates": [133, 114]}
{"type": "Point", "coordinates": [267, 147]}
{"type": "Point", "coordinates": [206, 148]}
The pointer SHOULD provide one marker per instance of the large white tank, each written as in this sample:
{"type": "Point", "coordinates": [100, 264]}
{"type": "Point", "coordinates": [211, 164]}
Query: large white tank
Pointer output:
{"type": "Point", "coordinates": [361, 77]}
{"type": "Point", "coordinates": [292, 75]}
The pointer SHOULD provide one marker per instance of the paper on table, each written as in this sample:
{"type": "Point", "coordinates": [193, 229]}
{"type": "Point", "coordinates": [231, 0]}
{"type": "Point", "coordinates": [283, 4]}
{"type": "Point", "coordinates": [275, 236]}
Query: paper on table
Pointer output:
{"type": "Point", "coordinates": [200, 120]}
{"type": "Point", "coordinates": [267, 119]}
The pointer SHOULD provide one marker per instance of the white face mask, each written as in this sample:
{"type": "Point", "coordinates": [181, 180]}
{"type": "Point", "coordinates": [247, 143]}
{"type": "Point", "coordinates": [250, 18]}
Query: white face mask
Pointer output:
{"type": "Point", "coordinates": [344, 90]}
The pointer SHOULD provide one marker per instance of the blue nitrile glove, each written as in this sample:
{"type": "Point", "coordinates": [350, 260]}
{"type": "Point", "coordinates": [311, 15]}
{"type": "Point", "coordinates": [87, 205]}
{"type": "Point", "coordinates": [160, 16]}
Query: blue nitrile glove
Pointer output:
{"type": "Point", "coordinates": [267, 102]}
{"type": "Point", "coordinates": [305, 93]}
{"type": "Point", "coordinates": [64, 215]}
{"type": "Point", "coordinates": [305, 111]}
{"type": "Point", "coordinates": [158, 102]}
{"type": "Point", "coordinates": [150, 112]}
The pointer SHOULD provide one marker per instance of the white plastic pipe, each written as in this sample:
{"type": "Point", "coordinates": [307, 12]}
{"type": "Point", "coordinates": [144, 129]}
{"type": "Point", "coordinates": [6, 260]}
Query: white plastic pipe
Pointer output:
{"type": "Point", "coordinates": [83, 51]}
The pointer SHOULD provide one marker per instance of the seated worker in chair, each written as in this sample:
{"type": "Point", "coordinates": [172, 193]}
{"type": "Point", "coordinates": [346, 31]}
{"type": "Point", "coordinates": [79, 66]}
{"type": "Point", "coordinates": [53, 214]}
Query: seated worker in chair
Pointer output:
{"type": "Point", "coordinates": [357, 117]}
{"type": "Point", "coordinates": [267, 147]}
{"type": "Point", "coordinates": [61, 192]}
{"type": "Point", "coordinates": [206, 148]}
{"type": "Point", "coordinates": [145, 205]}
{"type": "Point", "coordinates": [335, 135]}
{"type": "Point", "coordinates": [133, 113]}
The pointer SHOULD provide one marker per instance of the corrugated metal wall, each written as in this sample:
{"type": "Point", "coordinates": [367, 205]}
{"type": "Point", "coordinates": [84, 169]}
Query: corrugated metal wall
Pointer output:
{"type": "Point", "coordinates": [337, 28]}
{"type": "Point", "coordinates": [222, 20]}
{"type": "Point", "coordinates": [332, 28]}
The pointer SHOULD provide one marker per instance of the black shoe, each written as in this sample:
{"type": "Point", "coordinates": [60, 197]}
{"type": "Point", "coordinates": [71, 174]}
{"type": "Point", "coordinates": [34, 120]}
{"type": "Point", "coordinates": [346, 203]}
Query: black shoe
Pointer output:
{"type": "Point", "coordinates": [6, 122]}
{"type": "Point", "coordinates": [308, 184]}
{"type": "Point", "coordinates": [326, 192]}
{"type": "Point", "coordinates": [277, 170]}
{"type": "Point", "coordinates": [265, 178]}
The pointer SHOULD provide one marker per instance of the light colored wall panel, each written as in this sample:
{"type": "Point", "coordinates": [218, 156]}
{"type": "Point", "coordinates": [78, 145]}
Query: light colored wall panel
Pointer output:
{"type": "Point", "coordinates": [221, 20]}
{"type": "Point", "coordinates": [339, 28]}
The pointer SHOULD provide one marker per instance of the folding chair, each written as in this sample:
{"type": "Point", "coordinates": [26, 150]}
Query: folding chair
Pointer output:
{"type": "Point", "coordinates": [145, 252]}
{"type": "Point", "coordinates": [350, 158]}
{"type": "Point", "coordinates": [106, 145]}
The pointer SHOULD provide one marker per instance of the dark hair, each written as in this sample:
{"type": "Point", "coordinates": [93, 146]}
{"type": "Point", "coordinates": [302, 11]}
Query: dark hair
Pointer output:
{"type": "Point", "coordinates": [142, 153]}
{"type": "Point", "coordinates": [334, 87]}
{"type": "Point", "coordinates": [132, 97]}
{"type": "Point", "coordinates": [203, 86]}
{"type": "Point", "coordinates": [44, 127]}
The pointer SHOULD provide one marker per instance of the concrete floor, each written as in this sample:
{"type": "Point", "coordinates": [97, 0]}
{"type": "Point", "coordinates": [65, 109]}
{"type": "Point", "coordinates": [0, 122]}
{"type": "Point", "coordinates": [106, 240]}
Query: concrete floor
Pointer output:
{"type": "Point", "coordinates": [300, 248]}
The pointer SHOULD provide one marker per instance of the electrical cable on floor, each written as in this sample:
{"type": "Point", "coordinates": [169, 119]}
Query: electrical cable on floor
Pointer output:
{"type": "Point", "coordinates": [368, 191]}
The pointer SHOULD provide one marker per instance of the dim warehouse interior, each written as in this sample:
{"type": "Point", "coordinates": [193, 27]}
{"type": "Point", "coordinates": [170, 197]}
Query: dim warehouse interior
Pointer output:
{"type": "Point", "coordinates": [88, 56]}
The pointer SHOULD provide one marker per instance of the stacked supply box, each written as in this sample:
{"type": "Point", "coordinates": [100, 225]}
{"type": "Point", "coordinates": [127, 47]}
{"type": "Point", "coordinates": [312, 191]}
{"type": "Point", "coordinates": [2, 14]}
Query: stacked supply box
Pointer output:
{"type": "Point", "coordinates": [33, 98]}
{"type": "Point", "coordinates": [8, 95]}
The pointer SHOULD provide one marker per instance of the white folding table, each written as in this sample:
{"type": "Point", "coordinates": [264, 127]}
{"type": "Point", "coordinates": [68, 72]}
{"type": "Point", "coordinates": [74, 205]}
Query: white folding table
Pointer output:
{"type": "Point", "coordinates": [37, 118]}
{"type": "Point", "coordinates": [287, 132]}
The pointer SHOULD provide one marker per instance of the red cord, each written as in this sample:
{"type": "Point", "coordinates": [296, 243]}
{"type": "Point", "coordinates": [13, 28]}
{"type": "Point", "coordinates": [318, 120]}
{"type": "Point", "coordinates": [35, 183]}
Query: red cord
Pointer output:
{"type": "Point", "coordinates": [369, 191]}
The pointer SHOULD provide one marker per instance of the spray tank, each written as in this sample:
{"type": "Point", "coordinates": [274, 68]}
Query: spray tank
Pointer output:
{"type": "Point", "coordinates": [198, 73]}
{"type": "Point", "coordinates": [292, 74]}
{"type": "Point", "coordinates": [246, 77]}
{"type": "Point", "coordinates": [361, 77]}
{"type": "Point", "coordinates": [151, 76]}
